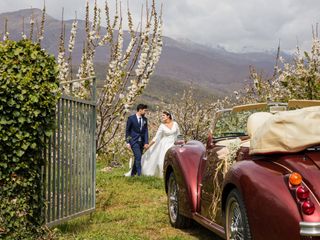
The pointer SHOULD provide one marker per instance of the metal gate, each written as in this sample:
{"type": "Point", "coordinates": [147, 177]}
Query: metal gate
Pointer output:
{"type": "Point", "coordinates": [69, 175]}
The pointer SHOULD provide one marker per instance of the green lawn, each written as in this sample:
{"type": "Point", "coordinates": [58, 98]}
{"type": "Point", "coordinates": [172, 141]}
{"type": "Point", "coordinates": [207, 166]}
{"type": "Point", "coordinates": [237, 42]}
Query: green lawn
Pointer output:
{"type": "Point", "coordinates": [128, 208]}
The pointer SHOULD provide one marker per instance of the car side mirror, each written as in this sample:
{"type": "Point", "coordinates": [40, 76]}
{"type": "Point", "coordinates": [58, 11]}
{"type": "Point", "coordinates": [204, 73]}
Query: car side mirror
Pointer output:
{"type": "Point", "coordinates": [180, 140]}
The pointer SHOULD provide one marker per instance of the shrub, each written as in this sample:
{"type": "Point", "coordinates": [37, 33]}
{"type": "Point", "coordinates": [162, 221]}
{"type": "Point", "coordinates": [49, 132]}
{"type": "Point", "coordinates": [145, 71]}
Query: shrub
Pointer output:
{"type": "Point", "coordinates": [28, 96]}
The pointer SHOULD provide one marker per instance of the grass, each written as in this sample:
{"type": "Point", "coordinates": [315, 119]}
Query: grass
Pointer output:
{"type": "Point", "coordinates": [129, 209]}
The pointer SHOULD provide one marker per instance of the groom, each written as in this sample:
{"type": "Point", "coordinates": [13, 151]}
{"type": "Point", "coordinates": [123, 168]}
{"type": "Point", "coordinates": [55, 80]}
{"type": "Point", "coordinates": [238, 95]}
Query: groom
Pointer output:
{"type": "Point", "coordinates": [137, 136]}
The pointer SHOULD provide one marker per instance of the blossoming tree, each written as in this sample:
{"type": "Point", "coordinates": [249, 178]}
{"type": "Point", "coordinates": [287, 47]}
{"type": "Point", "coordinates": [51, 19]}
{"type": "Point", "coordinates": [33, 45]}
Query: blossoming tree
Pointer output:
{"type": "Point", "coordinates": [128, 70]}
{"type": "Point", "coordinates": [297, 80]}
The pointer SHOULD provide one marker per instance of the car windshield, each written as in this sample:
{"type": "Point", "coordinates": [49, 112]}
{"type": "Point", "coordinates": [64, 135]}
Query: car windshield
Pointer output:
{"type": "Point", "coordinates": [231, 124]}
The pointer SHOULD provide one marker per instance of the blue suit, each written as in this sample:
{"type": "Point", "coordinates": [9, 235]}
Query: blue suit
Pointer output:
{"type": "Point", "coordinates": [137, 137]}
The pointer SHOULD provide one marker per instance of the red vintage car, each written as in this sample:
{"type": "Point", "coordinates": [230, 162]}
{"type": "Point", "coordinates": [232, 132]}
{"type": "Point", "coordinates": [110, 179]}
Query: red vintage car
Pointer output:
{"type": "Point", "coordinates": [234, 187]}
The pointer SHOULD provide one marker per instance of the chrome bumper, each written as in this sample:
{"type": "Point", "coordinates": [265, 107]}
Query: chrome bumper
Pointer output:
{"type": "Point", "coordinates": [310, 228]}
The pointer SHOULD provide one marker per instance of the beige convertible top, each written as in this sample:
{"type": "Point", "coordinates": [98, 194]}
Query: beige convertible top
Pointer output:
{"type": "Point", "coordinates": [287, 131]}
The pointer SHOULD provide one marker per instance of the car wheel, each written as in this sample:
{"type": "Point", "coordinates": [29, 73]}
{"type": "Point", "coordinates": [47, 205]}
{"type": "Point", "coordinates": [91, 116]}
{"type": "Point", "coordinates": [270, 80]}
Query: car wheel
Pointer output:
{"type": "Point", "coordinates": [176, 219]}
{"type": "Point", "coordinates": [237, 226]}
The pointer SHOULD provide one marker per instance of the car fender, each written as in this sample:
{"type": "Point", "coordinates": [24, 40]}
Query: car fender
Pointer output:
{"type": "Point", "coordinates": [271, 209]}
{"type": "Point", "coordinates": [184, 161]}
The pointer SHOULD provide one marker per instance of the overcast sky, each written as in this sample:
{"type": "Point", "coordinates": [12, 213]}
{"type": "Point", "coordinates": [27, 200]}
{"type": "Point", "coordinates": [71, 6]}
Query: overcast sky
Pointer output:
{"type": "Point", "coordinates": [237, 25]}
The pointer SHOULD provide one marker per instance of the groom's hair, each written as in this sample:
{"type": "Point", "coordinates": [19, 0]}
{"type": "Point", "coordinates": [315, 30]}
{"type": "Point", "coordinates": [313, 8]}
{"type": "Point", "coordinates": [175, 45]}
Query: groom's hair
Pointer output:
{"type": "Point", "coordinates": [141, 106]}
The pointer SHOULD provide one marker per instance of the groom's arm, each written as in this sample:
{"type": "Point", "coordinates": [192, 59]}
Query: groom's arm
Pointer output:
{"type": "Point", "coordinates": [128, 129]}
{"type": "Point", "coordinates": [146, 134]}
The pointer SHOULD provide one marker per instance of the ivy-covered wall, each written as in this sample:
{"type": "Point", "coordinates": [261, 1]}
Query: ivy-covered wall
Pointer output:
{"type": "Point", "coordinates": [29, 92]}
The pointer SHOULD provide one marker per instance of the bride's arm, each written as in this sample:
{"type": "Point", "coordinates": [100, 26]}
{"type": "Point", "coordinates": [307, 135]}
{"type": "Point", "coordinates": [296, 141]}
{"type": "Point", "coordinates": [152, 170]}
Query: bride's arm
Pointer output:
{"type": "Point", "coordinates": [157, 137]}
{"type": "Point", "coordinates": [151, 143]}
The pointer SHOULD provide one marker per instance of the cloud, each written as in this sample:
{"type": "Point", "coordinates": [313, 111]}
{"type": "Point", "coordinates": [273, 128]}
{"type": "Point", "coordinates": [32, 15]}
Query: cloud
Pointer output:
{"type": "Point", "coordinates": [256, 24]}
{"type": "Point", "coordinates": [235, 25]}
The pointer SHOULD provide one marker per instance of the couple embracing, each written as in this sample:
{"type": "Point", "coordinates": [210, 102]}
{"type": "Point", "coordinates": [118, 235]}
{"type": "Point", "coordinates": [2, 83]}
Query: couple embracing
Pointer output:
{"type": "Point", "coordinates": [149, 163]}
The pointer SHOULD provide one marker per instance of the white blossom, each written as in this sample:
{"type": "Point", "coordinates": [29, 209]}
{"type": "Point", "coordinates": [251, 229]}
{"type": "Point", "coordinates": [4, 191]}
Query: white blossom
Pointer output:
{"type": "Point", "coordinates": [73, 34]}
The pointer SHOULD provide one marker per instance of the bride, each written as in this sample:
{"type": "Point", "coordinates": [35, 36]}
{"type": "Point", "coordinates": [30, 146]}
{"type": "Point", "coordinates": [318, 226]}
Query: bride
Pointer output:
{"type": "Point", "coordinates": [152, 160]}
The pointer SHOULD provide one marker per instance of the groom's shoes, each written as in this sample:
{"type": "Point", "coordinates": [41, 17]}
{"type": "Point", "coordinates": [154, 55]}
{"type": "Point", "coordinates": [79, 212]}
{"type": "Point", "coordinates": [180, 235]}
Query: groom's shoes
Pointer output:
{"type": "Point", "coordinates": [135, 175]}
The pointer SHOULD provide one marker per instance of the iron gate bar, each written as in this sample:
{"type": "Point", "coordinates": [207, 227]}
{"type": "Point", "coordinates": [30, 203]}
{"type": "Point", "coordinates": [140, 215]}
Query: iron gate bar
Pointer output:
{"type": "Point", "coordinates": [69, 174]}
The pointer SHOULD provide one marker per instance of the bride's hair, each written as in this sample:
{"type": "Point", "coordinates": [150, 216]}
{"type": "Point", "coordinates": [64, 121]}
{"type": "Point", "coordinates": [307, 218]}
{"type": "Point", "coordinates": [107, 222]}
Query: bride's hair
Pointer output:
{"type": "Point", "coordinates": [168, 114]}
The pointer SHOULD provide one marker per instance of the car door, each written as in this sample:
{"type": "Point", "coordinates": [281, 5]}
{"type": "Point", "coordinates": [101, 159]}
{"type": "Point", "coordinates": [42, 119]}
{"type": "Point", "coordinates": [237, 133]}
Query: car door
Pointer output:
{"type": "Point", "coordinates": [206, 182]}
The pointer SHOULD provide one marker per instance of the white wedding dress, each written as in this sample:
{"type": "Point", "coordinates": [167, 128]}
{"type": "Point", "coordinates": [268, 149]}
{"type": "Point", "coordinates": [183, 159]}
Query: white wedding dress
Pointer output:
{"type": "Point", "coordinates": [152, 160]}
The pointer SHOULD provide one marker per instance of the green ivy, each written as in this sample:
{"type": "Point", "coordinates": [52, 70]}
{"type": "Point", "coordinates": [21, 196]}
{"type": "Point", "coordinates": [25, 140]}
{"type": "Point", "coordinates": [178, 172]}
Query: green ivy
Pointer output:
{"type": "Point", "coordinates": [29, 92]}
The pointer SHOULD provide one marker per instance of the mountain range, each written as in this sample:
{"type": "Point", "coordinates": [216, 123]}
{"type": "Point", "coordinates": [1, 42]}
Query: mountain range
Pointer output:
{"type": "Point", "coordinates": [213, 71]}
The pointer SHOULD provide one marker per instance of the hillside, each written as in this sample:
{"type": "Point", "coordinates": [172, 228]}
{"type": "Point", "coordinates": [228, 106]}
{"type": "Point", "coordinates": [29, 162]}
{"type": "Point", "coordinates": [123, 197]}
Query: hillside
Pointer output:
{"type": "Point", "coordinates": [212, 71]}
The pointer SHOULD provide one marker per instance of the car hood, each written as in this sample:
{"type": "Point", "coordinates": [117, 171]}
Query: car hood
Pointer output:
{"type": "Point", "coordinates": [308, 165]}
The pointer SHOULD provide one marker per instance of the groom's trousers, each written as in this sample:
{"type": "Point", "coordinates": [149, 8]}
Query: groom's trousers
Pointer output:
{"type": "Point", "coordinates": [137, 149]}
